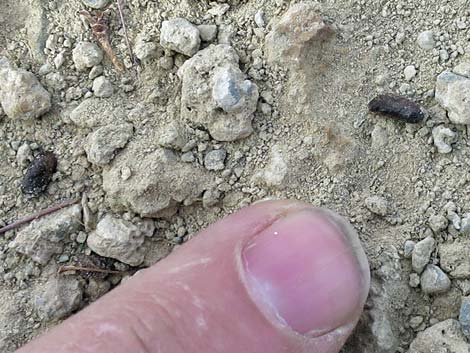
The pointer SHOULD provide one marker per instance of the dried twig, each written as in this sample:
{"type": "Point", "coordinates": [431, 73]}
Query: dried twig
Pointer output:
{"type": "Point", "coordinates": [40, 214]}
{"type": "Point", "coordinates": [134, 59]}
{"type": "Point", "coordinates": [100, 29]}
{"type": "Point", "coordinates": [63, 269]}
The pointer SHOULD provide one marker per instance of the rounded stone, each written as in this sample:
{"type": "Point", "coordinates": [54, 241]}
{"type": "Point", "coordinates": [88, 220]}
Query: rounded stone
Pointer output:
{"type": "Point", "coordinates": [86, 55]}
{"type": "Point", "coordinates": [95, 4]}
{"type": "Point", "coordinates": [426, 40]}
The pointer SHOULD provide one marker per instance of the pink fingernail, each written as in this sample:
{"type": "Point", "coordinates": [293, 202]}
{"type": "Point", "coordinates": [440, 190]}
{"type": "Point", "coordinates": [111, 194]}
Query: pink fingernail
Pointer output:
{"type": "Point", "coordinates": [308, 271]}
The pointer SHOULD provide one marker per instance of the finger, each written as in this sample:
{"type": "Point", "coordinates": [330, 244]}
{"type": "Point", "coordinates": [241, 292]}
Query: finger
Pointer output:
{"type": "Point", "coordinates": [278, 276]}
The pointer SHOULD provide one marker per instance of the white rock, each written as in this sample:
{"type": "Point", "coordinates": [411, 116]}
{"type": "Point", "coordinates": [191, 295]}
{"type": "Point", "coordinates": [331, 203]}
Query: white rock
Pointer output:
{"type": "Point", "coordinates": [410, 72]}
{"type": "Point", "coordinates": [300, 28]}
{"type": "Point", "coordinates": [426, 40]}
{"type": "Point", "coordinates": [444, 337]}
{"type": "Point", "coordinates": [21, 94]}
{"type": "Point", "coordinates": [86, 55]}
{"type": "Point", "coordinates": [443, 138]}
{"type": "Point", "coordinates": [58, 298]}
{"type": "Point", "coordinates": [216, 95]}
{"type": "Point", "coordinates": [102, 144]}
{"type": "Point", "coordinates": [259, 19]}
{"type": "Point", "coordinates": [377, 205]}
{"type": "Point", "coordinates": [181, 36]}
{"type": "Point", "coordinates": [438, 223]}
{"type": "Point", "coordinates": [46, 236]}
{"type": "Point", "coordinates": [434, 280]}
{"type": "Point", "coordinates": [102, 87]}
{"type": "Point", "coordinates": [208, 33]}
{"type": "Point", "coordinates": [452, 92]}
{"type": "Point", "coordinates": [422, 254]}
{"type": "Point", "coordinates": [120, 239]}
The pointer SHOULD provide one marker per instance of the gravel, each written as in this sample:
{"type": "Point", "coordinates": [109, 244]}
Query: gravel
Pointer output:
{"type": "Point", "coordinates": [451, 92]}
{"type": "Point", "coordinates": [215, 160]}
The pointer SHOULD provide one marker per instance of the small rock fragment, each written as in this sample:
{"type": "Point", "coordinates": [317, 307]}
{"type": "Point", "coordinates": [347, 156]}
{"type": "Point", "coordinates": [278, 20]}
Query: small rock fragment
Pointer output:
{"type": "Point", "coordinates": [434, 280]}
{"type": "Point", "coordinates": [397, 107]}
{"type": "Point", "coordinates": [410, 72]}
{"type": "Point", "coordinates": [102, 87]}
{"type": "Point", "coordinates": [120, 239]}
{"type": "Point", "coordinates": [101, 145]}
{"type": "Point", "coordinates": [301, 28]}
{"type": "Point", "coordinates": [210, 198]}
{"type": "Point", "coordinates": [145, 51]}
{"type": "Point", "coordinates": [215, 160]}
{"type": "Point", "coordinates": [21, 94]}
{"type": "Point", "coordinates": [452, 92]}
{"type": "Point", "coordinates": [86, 55]}
{"type": "Point", "coordinates": [208, 33]}
{"type": "Point", "coordinates": [438, 223]}
{"type": "Point", "coordinates": [39, 174]}
{"type": "Point", "coordinates": [465, 224]}
{"type": "Point", "coordinates": [426, 40]}
{"type": "Point", "coordinates": [443, 138]}
{"type": "Point", "coordinates": [422, 254]}
{"type": "Point", "coordinates": [259, 19]}
{"type": "Point", "coordinates": [95, 4]}
{"type": "Point", "coordinates": [24, 155]}
{"type": "Point", "coordinates": [408, 248]}
{"type": "Point", "coordinates": [173, 136]}
{"type": "Point", "coordinates": [181, 36]}
{"type": "Point", "coordinates": [59, 298]}
{"type": "Point", "coordinates": [444, 337]}
{"type": "Point", "coordinates": [46, 236]}
{"type": "Point", "coordinates": [464, 317]}
{"type": "Point", "coordinates": [276, 170]}
{"type": "Point", "coordinates": [377, 205]}
{"type": "Point", "coordinates": [414, 280]}
{"type": "Point", "coordinates": [379, 137]}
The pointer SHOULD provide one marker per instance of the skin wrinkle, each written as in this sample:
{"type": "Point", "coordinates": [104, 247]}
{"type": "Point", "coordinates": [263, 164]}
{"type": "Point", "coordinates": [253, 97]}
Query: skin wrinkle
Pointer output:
{"type": "Point", "coordinates": [189, 266]}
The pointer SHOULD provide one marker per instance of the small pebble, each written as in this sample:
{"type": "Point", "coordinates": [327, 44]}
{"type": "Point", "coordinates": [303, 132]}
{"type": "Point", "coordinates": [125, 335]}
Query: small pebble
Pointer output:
{"type": "Point", "coordinates": [102, 87]}
{"type": "Point", "coordinates": [398, 107]}
{"type": "Point", "coordinates": [408, 248]}
{"type": "Point", "coordinates": [95, 4]}
{"type": "Point", "coordinates": [426, 40]}
{"type": "Point", "coordinates": [215, 160]}
{"type": "Point", "coordinates": [438, 223]}
{"type": "Point", "coordinates": [410, 72]}
{"type": "Point", "coordinates": [377, 205]}
{"type": "Point", "coordinates": [443, 139]}
{"type": "Point", "coordinates": [422, 254]}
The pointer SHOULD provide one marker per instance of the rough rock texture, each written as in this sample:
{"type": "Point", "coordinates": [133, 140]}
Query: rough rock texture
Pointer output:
{"type": "Point", "coordinates": [215, 160]}
{"type": "Point", "coordinates": [120, 239]}
{"type": "Point", "coordinates": [96, 4]}
{"type": "Point", "coordinates": [102, 144]}
{"type": "Point", "coordinates": [102, 87]}
{"type": "Point", "coordinates": [422, 253]}
{"type": "Point", "coordinates": [452, 92]}
{"type": "Point", "coordinates": [58, 298]}
{"type": "Point", "coordinates": [434, 280]}
{"type": "Point", "coordinates": [216, 95]}
{"type": "Point", "coordinates": [45, 237]}
{"type": "Point", "coordinates": [464, 316]}
{"type": "Point", "coordinates": [443, 138]}
{"type": "Point", "coordinates": [181, 36]}
{"type": "Point", "coordinates": [21, 94]}
{"type": "Point", "coordinates": [173, 136]}
{"type": "Point", "coordinates": [444, 337]}
{"type": "Point", "coordinates": [378, 205]}
{"type": "Point", "coordinates": [276, 170]}
{"type": "Point", "coordinates": [86, 55]}
{"type": "Point", "coordinates": [92, 113]}
{"type": "Point", "coordinates": [158, 181]}
{"type": "Point", "coordinates": [455, 258]}
{"type": "Point", "coordinates": [299, 29]}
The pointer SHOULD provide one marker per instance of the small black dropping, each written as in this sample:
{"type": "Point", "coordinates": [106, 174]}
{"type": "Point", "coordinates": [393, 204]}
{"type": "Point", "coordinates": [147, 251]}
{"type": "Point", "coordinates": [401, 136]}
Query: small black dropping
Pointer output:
{"type": "Point", "coordinates": [39, 174]}
{"type": "Point", "coordinates": [398, 107]}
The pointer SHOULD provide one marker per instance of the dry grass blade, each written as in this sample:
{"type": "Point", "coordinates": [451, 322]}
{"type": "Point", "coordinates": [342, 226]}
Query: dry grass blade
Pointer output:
{"type": "Point", "coordinates": [120, 7]}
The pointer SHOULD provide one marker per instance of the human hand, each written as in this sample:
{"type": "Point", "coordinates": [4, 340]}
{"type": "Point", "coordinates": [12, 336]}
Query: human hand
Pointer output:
{"type": "Point", "coordinates": [279, 276]}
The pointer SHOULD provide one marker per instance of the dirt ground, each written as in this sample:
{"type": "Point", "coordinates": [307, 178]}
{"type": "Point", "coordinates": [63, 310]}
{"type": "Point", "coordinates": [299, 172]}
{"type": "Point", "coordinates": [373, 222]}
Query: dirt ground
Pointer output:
{"type": "Point", "coordinates": [313, 139]}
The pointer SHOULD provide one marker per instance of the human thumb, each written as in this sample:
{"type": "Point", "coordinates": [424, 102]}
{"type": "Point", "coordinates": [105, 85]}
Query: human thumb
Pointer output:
{"type": "Point", "coordinates": [278, 276]}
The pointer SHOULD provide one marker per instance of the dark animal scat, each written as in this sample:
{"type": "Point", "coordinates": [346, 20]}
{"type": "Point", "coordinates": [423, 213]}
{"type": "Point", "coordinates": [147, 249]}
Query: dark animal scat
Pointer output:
{"type": "Point", "coordinates": [397, 107]}
{"type": "Point", "coordinates": [39, 174]}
